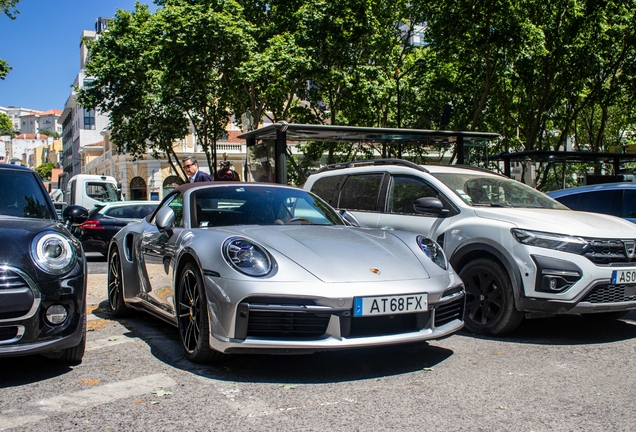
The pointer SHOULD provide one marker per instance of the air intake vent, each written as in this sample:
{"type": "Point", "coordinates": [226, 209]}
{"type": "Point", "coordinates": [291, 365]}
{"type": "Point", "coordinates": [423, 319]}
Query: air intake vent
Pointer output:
{"type": "Point", "coordinates": [449, 312]}
{"type": "Point", "coordinates": [611, 294]}
{"type": "Point", "coordinates": [287, 325]}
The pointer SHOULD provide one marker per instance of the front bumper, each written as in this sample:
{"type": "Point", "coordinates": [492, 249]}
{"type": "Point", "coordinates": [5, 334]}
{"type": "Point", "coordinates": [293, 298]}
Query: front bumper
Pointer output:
{"type": "Point", "coordinates": [23, 327]}
{"type": "Point", "coordinates": [578, 286]}
{"type": "Point", "coordinates": [292, 324]}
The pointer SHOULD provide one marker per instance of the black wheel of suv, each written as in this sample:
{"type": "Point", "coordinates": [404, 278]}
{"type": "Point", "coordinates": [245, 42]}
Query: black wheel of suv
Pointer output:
{"type": "Point", "coordinates": [194, 324]}
{"type": "Point", "coordinates": [116, 286]}
{"type": "Point", "coordinates": [490, 308]}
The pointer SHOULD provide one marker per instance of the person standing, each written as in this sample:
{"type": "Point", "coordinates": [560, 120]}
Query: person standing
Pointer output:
{"type": "Point", "coordinates": [191, 167]}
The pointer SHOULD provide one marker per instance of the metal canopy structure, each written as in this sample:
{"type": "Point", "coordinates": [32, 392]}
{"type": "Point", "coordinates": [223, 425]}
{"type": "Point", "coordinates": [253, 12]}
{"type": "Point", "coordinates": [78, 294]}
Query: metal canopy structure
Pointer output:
{"type": "Point", "coordinates": [281, 133]}
{"type": "Point", "coordinates": [562, 157]}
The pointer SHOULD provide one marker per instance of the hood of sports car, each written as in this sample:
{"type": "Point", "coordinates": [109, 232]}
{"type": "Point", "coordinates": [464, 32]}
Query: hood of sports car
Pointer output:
{"type": "Point", "coordinates": [342, 254]}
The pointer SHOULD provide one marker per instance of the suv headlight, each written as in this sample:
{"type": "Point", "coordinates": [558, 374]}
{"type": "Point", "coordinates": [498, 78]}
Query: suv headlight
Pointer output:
{"type": "Point", "coordinates": [433, 251]}
{"type": "Point", "coordinates": [53, 253]}
{"type": "Point", "coordinates": [560, 242]}
{"type": "Point", "coordinates": [247, 257]}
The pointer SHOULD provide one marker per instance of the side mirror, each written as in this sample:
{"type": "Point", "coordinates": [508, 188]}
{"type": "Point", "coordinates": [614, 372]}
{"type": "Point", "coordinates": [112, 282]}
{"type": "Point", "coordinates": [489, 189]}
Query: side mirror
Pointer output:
{"type": "Point", "coordinates": [349, 218]}
{"type": "Point", "coordinates": [165, 219]}
{"type": "Point", "coordinates": [74, 215]}
{"type": "Point", "coordinates": [429, 205]}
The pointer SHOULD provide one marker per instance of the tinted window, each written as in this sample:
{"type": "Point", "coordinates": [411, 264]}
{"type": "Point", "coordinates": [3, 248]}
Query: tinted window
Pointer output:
{"type": "Point", "coordinates": [405, 190]}
{"type": "Point", "coordinates": [360, 192]}
{"type": "Point", "coordinates": [607, 201]}
{"type": "Point", "coordinates": [629, 204]}
{"type": "Point", "coordinates": [144, 210]}
{"type": "Point", "coordinates": [22, 196]}
{"type": "Point", "coordinates": [326, 187]}
{"type": "Point", "coordinates": [125, 212]}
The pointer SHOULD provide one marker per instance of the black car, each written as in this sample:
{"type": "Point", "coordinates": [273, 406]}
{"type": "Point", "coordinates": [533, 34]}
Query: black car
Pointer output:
{"type": "Point", "coordinates": [42, 271]}
{"type": "Point", "coordinates": [104, 222]}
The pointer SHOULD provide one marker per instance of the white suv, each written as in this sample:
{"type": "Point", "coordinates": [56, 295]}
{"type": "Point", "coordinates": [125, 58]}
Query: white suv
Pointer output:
{"type": "Point", "coordinates": [518, 251]}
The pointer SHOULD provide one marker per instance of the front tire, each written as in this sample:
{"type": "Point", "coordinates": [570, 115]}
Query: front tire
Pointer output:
{"type": "Point", "coordinates": [490, 308]}
{"type": "Point", "coordinates": [116, 303]}
{"type": "Point", "coordinates": [194, 324]}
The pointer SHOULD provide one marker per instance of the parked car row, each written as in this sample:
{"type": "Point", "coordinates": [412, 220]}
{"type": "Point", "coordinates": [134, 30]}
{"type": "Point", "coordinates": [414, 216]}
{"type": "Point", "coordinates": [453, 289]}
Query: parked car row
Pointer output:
{"type": "Point", "coordinates": [368, 253]}
{"type": "Point", "coordinates": [519, 252]}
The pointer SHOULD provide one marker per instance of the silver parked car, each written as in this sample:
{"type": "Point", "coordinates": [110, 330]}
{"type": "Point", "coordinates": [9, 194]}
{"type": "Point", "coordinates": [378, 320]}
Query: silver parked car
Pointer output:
{"type": "Point", "coordinates": [243, 268]}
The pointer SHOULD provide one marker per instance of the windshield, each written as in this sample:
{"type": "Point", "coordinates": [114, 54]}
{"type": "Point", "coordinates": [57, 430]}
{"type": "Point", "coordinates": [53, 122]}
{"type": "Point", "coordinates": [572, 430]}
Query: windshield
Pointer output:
{"type": "Point", "coordinates": [495, 191]}
{"type": "Point", "coordinates": [22, 196]}
{"type": "Point", "coordinates": [257, 205]}
{"type": "Point", "coordinates": [104, 192]}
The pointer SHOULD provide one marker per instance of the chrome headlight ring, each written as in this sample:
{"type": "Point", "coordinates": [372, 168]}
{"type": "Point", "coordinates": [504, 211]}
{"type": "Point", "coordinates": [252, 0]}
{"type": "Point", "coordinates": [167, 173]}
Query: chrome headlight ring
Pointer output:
{"type": "Point", "coordinates": [433, 251]}
{"type": "Point", "coordinates": [247, 257]}
{"type": "Point", "coordinates": [53, 253]}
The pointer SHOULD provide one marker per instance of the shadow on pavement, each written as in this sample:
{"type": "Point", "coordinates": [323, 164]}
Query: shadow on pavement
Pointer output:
{"type": "Point", "coordinates": [322, 367]}
{"type": "Point", "coordinates": [570, 330]}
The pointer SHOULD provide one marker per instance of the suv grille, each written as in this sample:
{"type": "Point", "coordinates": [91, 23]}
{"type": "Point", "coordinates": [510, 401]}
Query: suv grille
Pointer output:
{"type": "Point", "coordinates": [611, 294]}
{"type": "Point", "coordinates": [605, 252]}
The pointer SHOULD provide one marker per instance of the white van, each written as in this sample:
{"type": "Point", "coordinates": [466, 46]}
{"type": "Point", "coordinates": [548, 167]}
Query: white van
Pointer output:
{"type": "Point", "coordinates": [89, 190]}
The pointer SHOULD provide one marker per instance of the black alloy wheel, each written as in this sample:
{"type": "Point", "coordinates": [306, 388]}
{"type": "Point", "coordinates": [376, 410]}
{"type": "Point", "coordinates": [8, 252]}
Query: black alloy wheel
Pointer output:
{"type": "Point", "coordinates": [116, 286]}
{"type": "Point", "coordinates": [194, 326]}
{"type": "Point", "coordinates": [490, 308]}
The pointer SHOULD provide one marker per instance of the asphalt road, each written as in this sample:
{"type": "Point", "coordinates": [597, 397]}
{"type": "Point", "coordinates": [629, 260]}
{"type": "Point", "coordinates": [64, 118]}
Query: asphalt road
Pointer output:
{"type": "Point", "coordinates": [559, 374]}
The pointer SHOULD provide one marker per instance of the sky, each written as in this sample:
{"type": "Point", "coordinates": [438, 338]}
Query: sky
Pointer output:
{"type": "Point", "coordinates": [42, 47]}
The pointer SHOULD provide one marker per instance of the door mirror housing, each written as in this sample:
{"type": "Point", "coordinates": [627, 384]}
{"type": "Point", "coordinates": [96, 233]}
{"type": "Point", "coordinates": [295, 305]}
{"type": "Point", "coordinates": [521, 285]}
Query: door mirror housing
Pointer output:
{"type": "Point", "coordinates": [165, 219]}
{"type": "Point", "coordinates": [429, 205]}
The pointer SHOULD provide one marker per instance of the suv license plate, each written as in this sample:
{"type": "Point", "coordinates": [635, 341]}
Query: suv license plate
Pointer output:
{"type": "Point", "coordinates": [623, 276]}
{"type": "Point", "coordinates": [390, 305]}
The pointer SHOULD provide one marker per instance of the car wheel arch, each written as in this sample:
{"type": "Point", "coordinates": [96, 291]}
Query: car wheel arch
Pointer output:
{"type": "Point", "coordinates": [485, 248]}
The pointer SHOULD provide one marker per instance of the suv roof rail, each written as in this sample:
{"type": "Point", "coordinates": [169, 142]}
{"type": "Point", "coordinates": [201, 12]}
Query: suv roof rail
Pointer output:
{"type": "Point", "coordinates": [372, 162]}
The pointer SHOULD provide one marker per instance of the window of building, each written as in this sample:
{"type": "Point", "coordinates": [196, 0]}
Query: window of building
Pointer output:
{"type": "Point", "coordinates": [89, 119]}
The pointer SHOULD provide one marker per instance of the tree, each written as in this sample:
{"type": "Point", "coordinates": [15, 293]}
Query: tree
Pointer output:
{"type": "Point", "coordinates": [7, 7]}
{"type": "Point", "coordinates": [53, 134]}
{"type": "Point", "coordinates": [45, 170]}
{"type": "Point", "coordinates": [6, 126]}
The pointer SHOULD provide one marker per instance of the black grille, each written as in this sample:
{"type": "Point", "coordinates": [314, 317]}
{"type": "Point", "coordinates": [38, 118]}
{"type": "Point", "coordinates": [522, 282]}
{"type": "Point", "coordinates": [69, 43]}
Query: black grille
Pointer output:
{"type": "Point", "coordinates": [611, 294]}
{"type": "Point", "coordinates": [287, 325]}
{"type": "Point", "coordinates": [11, 280]}
{"type": "Point", "coordinates": [605, 252]}
{"type": "Point", "coordinates": [8, 333]}
{"type": "Point", "coordinates": [16, 297]}
{"type": "Point", "coordinates": [448, 312]}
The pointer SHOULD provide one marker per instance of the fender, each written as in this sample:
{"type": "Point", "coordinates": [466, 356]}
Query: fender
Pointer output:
{"type": "Point", "coordinates": [460, 256]}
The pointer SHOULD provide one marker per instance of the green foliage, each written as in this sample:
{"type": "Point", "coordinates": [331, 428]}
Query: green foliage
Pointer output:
{"type": "Point", "coordinates": [45, 170]}
{"type": "Point", "coordinates": [6, 126]}
{"type": "Point", "coordinates": [541, 74]}
{"type": "Point", "coordinates": [7, 7]}
{"type": "Point", "coordinates": [53, 134]}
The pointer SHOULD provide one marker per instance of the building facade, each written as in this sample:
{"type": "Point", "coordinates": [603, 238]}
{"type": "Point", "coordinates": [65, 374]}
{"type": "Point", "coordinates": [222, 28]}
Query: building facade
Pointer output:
{"type": "Point", "coordinates": [80, 126]}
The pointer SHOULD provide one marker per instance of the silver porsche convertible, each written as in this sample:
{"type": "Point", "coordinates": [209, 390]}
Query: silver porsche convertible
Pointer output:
{"type": "Point", "coordinates": [264, 268]}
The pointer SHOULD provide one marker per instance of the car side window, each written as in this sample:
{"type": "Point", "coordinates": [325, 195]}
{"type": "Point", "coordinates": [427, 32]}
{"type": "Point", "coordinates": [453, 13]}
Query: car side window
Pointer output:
{"type": "Point", "coordinates": [404, 190]}
{"type": "Point", "coordinates": [629, 204]}
{"type": "Point", "coordinates": [175, 202]}
{"type": "Point", "coordinates": [607, 201]}
{"type": "Point", "coordinates": [127, 212]}
{"type": "Point", "coordinates": [360, 192]}
{"type": "Point", "coordinates": [326, 187]}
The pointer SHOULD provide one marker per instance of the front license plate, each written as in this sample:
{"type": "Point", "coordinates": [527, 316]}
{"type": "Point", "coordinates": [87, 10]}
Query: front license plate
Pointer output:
{"type": "Point", "coordinates": [623, 276]}
{"type": "Point", "coordinates": [390, 305]}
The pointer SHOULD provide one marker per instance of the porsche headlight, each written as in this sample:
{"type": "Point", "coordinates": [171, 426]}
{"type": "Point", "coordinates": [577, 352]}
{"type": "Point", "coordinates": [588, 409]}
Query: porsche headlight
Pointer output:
{"type": "Point", "coordinates": [560, 242]}
{"type": "Point", "coordinates": [247, 257]}
{"type": "Point", "coordinates": [433, 251]}
{"type": "Point", "coordinates": [53, 253]}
